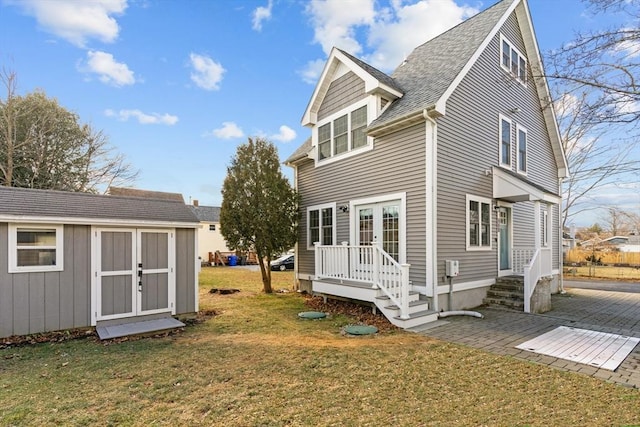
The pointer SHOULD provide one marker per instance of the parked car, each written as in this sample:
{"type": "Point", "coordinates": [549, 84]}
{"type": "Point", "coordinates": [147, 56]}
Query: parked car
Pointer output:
{"type": "Point", "coordinates": [283, 263]}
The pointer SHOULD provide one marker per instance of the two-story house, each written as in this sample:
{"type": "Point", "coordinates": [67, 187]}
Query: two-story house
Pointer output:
{"type": "Point", "coordinates": [421, 189]}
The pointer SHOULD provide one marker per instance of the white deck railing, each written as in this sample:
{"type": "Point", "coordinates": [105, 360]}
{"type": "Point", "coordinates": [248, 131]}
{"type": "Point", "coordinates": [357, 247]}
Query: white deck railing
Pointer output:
{"type": "Point", "coordinates": [365, 264]}
{"type": "Point", "coordinates": [538, 267]}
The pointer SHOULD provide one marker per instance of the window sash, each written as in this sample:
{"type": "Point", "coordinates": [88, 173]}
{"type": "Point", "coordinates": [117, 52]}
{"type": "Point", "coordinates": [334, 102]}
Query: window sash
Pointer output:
{"type": "Point", "coordinates": [522, 150]}
{"type": "Point", "coordinates": [479, 223]}
{"type": "Point", "coordinates": [320, 225]}
{"type": "Point", "coordinates": [505, 142]}
{"type": "Point", "coordinates": [35, 248]}
{"type": "Point", "coordinates": [342, 134]}
{"type": "Point", "coordinates": [513, 61]}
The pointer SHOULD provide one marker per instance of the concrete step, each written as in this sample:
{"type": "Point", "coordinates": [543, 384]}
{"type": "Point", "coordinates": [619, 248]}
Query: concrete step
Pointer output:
{"type": "Point", "coordinates": [504, 302]}
{"type": "Point", "coordinates": [506, 293]}
{"type": "Point", "coordinates": [416, 319]}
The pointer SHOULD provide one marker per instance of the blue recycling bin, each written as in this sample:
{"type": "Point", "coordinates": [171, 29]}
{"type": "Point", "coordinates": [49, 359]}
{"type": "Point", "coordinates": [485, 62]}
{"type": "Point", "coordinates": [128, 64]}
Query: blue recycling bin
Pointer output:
{"type": "Point", "coordinates": [233, 260]}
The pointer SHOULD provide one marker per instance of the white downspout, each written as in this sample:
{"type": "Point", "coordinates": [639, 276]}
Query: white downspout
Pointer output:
{"type": "Point", "coordinates": [431, 174]}
{"type": "Point", "coordinates": [560, 251]}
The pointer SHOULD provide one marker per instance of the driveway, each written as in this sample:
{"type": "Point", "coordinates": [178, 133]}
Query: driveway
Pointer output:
{"type": "Point", "coordinates": [603, 285]}
{"type": "Point", "coordinates": [502, 330]}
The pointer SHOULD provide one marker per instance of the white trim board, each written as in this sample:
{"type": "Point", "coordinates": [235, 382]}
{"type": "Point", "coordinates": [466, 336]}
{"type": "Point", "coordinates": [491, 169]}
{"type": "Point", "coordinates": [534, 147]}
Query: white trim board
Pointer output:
{"type": "Point", "coordinates": [597, 349]}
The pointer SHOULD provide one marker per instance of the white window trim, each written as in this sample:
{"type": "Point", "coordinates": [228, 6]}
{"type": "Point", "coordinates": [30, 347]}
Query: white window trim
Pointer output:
{"type": "Point", "coordinates": [526, 150]}
{"type": "Point", "coordinates": [520, 55]}
{"type": "Point", "coordinates": [13, 249]}
{"type": "Point", "coordinates": [480, 200]}
{"type": "Point", "coordinates": [505, 118]}
{"type": "Point", "coordinates": [370, 102]}
{"type": "Point", "coordinates": [545, 228]}
{"type": "Point", "coordinates": [310, 244]}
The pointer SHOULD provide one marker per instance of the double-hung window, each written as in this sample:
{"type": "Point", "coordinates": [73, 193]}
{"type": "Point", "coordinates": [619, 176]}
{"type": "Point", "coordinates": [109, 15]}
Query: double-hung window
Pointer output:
{"type": "Point", "coordinates": [343, 133]}
{"type": "Point", "coordinates": [522, 149]}
{"type": "Point", "coordinates": [478, 223]}
{"type": "Point", "coordinates": [512, 60]}
{"type": "Point", "coordinates": [321, 222]}
{"type": "Point", "coordinates": [505, 141]}
{"type": "Point", "coordinates": [35, 248]}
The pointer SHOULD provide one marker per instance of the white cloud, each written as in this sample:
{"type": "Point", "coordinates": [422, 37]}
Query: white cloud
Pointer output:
{"type": "Point", "coordinates": [335, 22]}
{"type": "Point", "coordinates": [384, 36]}
{"type": "Point", "coordinates": [311, 73]}
{"type": "Point", "coordinates": [229, 130]}
{"type": "Point", "coordinates": [109, 71]}
{"type": "Point", "coordinates": [143, 118]}
{"type": "Point", "coordinates": [76, 21]}
{"type": "Point", "coordinates": [262, 14]}
{"type": "Point", "coordinates": [207, 74]}
{"type": "Point", "coordinates": [629, 47]}
{"type": "Point", "coordinates": [286, 134]}
{"type": "Point", "coordinates": [402, 28]}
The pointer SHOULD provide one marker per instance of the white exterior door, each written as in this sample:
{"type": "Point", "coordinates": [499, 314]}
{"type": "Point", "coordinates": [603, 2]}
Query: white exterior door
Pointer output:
{"type": "Point", "coordinates": [133, 272]}
{"type": "Point", "coordinates": [380, 222]}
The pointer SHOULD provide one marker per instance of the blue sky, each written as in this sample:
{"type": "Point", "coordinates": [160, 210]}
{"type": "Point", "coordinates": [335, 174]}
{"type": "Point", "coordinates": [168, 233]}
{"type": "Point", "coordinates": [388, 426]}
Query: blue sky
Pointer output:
{"type": "Point", "coordinates": [178, 85]}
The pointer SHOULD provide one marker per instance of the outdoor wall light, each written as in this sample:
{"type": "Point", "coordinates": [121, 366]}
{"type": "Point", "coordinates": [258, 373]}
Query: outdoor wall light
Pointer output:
{"type": "Point", "coordinates": [344, 208]}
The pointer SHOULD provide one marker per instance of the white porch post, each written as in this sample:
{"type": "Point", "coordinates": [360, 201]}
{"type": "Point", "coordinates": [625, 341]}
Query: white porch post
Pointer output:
{"type": "Point", "coordinates": [376, 264]}
{"type": "Point", "coordinates": [318, 261]}
{"type": "Point", "coordinates": [404, 309]}
{"type": "Point", "coordinates": [537, 224]}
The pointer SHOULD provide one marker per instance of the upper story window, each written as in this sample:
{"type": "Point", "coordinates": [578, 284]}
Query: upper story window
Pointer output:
{"type": "Point", "coordinates": [35, 248]}
{"type": "Point", "coordinates": [343, 133]}
{"type": "Point", "coordinates": [522, 149]}
{"type": "Point", "coordinates": [212, 227]}
{"type": "Point", "coordinates": [505, 141]}
{"type": "Point", "coordinates": [512, 60]}
{"type": "Point", "coordinates": [321, 221]}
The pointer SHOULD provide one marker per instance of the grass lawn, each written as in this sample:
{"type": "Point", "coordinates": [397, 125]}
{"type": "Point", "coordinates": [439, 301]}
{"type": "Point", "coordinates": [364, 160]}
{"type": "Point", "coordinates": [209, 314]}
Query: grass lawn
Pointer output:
{"type": "Point", "coordinates": [256, 363]}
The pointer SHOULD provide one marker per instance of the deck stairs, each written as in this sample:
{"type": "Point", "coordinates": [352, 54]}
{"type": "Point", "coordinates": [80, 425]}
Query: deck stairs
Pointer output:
{"type": "Point", "coordinates": [419, 312]}
{"type": "Point", "coordinates": [507, 292]}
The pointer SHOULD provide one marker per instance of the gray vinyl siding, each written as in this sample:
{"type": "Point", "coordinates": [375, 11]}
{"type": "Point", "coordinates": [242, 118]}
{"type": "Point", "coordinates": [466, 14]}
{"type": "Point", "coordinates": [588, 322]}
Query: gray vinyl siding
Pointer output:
{"type": "Point", "coordinates": [468, 145]}
{"type": "Point", "coordinates": [395, 165]}
{"type": "Point", "coordinates": [185, 271]}
{"type": "Point", "coordinates": [342, 92]}
{"type": "Point", "coordinates": [39, 302]}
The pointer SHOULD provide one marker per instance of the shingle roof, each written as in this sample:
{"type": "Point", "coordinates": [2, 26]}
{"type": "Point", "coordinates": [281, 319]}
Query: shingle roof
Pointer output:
{"type": "Point", "coordinates": [301, 152]}
{"type": "Point", "coordinates": [377, 74]}
{"type": "Point", "coordinates": [432, 67]}
{"type": "Point", "coordinates": [147, 194]}
{"type": "Point", "coordinates": [206, 213]}
{"type": "Point", "coordinates": [62, 204]}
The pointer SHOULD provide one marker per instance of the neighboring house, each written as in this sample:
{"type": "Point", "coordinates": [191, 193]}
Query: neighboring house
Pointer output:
{"type": "Point", "coordinates": [70, 260]}
{"type": "Point", "coordinates": [209, 237]}
{"type": "Point", "coordinates": [422, 188]}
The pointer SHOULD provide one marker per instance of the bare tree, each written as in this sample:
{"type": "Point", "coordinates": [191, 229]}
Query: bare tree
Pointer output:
{"type": "Point", "coordinates": [43, 145]}
{"type": "Point", "coordinates": [617, 221]}
{"type": "Point", "coordinates": [595, 160]}
{"type": "Point", "coordinates": [607, 62]}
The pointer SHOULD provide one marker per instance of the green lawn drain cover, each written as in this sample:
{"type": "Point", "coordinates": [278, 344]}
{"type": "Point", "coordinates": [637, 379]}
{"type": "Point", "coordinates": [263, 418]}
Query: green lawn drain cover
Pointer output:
{"type": "Point", "coordinates": [312, 315]}
{"type": "Point", "coordinates": [360, 330]}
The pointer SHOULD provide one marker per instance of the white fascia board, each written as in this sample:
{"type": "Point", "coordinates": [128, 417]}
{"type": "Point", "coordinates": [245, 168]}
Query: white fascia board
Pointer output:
{"type": "Point", "coordinates": [310, 116]}
{"type": "Point", "coordinates": [535, 62]}
{"type": "Point", "coordinates": [509, 188]}
{"type": "Point", "coordinates": [97, 221]}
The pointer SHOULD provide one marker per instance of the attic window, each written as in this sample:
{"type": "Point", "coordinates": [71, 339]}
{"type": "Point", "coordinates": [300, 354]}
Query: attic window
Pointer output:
{"type": "Point", "coordinates": [512, 60]}
{"type": "Point", "coordinates": [343, 133]}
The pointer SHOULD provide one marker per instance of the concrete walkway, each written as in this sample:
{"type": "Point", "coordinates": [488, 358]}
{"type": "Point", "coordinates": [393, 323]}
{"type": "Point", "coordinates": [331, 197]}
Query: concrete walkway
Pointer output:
{"type": "Point", "coordinates": [501, 330]}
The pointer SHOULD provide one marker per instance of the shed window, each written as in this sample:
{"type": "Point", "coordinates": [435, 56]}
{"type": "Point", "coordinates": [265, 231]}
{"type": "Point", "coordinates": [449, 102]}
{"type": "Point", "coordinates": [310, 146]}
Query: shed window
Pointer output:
{"type": "Point", "coordinates": [212, 227]}
{"type": "Point", "coordinates": [35, 248]}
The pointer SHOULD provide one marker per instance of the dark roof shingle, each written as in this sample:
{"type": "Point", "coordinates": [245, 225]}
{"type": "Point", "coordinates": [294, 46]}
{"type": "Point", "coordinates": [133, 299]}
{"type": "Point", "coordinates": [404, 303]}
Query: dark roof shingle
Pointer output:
{"type": "Point", "coordinates": [62, 204]}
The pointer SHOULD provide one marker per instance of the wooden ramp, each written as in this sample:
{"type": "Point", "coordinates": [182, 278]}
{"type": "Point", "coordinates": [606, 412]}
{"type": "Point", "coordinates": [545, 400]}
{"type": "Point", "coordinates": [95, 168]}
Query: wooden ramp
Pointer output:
{"type": "Point", "coordinates": [136, 328]}
{"type": "Point", "coordinates": [597, 349]}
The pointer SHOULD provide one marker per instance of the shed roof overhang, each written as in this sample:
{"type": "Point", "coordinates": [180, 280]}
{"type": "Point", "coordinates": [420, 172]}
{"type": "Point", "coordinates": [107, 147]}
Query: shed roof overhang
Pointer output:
{"type": "Point", "coordinates": [511, 188]}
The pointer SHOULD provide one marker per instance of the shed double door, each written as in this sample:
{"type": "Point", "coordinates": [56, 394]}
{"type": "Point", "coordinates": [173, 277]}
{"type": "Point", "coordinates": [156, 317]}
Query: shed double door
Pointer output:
{"type": "Point", "coordinates": [134, 272]}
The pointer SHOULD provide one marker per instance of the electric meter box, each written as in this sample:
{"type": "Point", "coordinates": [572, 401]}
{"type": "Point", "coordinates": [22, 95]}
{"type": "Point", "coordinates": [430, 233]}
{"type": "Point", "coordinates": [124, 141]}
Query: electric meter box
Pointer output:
{"type": "Point", "coordinates": [452, 268]}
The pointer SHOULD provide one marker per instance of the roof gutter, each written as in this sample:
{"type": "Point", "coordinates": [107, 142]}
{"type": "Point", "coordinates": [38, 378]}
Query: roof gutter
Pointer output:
{"type": "Point", "coordinates": [410, 119]}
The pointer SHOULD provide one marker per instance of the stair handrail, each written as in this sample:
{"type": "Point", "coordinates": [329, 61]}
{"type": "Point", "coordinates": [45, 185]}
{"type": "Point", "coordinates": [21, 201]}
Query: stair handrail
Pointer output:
{"type": "Point", "coordinates": [388, 275]}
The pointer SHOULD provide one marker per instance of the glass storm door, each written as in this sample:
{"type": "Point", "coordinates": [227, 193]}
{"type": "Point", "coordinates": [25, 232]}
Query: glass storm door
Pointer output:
{"type": "Point", "coordinates": [380, 222]}
{"type": "Point", "coordinates": [504, 219]}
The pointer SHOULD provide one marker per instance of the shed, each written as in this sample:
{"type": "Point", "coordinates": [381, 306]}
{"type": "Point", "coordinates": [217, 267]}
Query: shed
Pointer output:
{"type": "Point", "coordinates": [70, 260]}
